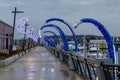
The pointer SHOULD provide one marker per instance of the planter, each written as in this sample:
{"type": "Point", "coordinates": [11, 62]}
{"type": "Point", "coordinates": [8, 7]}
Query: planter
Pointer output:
{"type": "Point", "coordinates": [11, 59]}
{"type": "Point", "coordinates": [8, 60]}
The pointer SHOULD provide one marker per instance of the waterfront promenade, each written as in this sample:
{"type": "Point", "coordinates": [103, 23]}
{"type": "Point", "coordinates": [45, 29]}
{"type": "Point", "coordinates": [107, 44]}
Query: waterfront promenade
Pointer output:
{"type": "Point", "coordinates": [38, 64]}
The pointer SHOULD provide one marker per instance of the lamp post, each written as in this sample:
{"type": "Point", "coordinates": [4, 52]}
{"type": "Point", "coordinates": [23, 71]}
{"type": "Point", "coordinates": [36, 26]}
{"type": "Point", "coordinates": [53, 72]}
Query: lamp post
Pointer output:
{"type": "Point", "coordinates": [14, 12]}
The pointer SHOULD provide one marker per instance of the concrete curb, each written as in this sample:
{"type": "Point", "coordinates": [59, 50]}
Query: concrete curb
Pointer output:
{"type": "Point", "coordinates": [11, 59]}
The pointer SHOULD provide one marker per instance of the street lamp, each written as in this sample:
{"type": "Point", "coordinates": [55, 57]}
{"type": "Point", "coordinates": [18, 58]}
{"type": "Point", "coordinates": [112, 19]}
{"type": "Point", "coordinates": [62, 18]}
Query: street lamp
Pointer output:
{"type": "Point", "coordinates": [15, 12]}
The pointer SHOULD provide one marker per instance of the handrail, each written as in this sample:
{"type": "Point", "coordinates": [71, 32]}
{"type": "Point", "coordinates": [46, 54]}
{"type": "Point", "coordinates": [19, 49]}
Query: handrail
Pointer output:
{"type": "Point", "coordinates": [109, 70]}
{"type": "Point", "coordinates": [87, 67]}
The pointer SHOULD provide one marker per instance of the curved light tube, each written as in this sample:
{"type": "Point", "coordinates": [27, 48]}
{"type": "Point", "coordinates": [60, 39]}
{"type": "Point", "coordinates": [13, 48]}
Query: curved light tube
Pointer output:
{"type": "Point", "coordinates": [54, 34]}
{"type": "Point", "coordinates": [69, 26]}
{"type": "Point", "coordinates": [66, 48]}
{"type": "Point", "coordinates": [105, 33]}
{"type": "Point", "coordinates": [49, 41]}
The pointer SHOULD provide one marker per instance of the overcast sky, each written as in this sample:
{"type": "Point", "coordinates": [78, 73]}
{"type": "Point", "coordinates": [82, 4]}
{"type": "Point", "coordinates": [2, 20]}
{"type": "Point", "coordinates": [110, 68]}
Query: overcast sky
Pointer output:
{"type": "Point", "coordinates": [105, 11]}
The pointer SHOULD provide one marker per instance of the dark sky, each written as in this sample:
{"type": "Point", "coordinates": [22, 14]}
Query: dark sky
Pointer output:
{"type": "Point", "coordinates": [105, 11]}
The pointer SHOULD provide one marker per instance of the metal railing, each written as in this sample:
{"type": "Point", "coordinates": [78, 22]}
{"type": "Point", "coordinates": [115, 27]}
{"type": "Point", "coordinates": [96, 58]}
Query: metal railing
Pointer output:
{"type": "Point", "coordinates": [110, 70]}
{"type": "Point", "coordinates": [90, 69]}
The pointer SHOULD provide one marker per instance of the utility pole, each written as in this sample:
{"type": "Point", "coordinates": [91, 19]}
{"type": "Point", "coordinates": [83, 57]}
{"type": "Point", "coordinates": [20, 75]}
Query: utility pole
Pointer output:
{"type": "Point", "coordinates": [14, 12]}
{"type": "Point", "coordinates": [24, 43]}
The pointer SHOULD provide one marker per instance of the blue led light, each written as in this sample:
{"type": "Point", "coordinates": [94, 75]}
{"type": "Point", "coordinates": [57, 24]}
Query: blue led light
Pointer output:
{"type": "Point", "coordinates": [107, 36]}
{"type": "Point", "coordinates": [66, 48]}
{"type": "Point", "coordinates": [69, 26]}
{"type": "Point", "coordinates": [48, 41]}
{"type": "Point", "coordinates": [55, 36]}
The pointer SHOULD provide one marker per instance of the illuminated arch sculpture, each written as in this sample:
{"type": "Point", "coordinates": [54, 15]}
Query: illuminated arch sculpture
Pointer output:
{"type": "Point", "coordinates": [52, 43]}
{"type": "Point", "coordinates": [105, 33]}
{"type": "Point", "coordinates": [48, 40]}
{"type": "Point", "coordinates": [69, 26]}
{"type": "Point", "coordinates": [45, 42]}
{"type": "Point", "coordinates": [54, 34]}
{"type": "Point", "coordinates": [66, 48]}
{"type": "Point", "coordinates": [31, 34]}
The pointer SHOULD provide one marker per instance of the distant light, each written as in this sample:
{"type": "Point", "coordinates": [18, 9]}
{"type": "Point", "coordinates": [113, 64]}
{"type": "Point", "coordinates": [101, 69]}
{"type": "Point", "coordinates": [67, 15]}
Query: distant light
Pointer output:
{"type": "Point", "coordinates": [31, 34]}
{"type": "Point", "coordinates": [40, 33]}
{"type": "Point", "coordinates": [52, 70]}
{"type": "Point", "coordinates": [43, 69]}
{"type": "Point", "coordinates": [20, 24]}
{"type": "Point", "coordinates": [77, 24]}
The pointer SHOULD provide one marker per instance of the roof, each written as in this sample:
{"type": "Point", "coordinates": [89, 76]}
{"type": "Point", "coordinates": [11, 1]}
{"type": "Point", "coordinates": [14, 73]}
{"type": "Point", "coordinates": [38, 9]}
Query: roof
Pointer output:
{"type": "Point", "coordinates": [97, 41]}
{"type": "Point", "coordinates": [6, 24]}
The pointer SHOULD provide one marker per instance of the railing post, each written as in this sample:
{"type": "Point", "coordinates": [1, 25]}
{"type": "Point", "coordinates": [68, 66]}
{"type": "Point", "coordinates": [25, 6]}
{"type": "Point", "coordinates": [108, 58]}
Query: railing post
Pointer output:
{"type": "Point", "coordinates": [119, 73]}
{"type": "Point", "coordinates": [88, 70]}
{"type": "Point", "coordinates": [70, 62]}
{"type": "Point", "coordinates": [74, 63]}
{"type": "Point", "coordinates": [80, 67]}
{"type": "Point", "coordinates": [99, 70]}
{"type": "Point", "coordinates": [61, 55]}
{"type": "Point", "coordinates": [119, 56]}
{"type": "Point", "coordinates": [56, 54]}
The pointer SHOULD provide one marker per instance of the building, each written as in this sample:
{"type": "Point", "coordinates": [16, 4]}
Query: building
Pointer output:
{"type": "Point", "coordinates": [5, 36]}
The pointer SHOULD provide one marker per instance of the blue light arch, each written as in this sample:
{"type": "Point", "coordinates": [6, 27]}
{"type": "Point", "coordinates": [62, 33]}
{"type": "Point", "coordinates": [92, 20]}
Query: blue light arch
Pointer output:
{"type": "Point", "coordinates": [66, 48]}
{"type": "Point", "coordinates": [57, 38]}
{"type": "Point", "coordinates": [69, 26]}
{"type": "Point", "coordinates": [105, 33]}
{"type": "Point", "coordinates": [48, 41]}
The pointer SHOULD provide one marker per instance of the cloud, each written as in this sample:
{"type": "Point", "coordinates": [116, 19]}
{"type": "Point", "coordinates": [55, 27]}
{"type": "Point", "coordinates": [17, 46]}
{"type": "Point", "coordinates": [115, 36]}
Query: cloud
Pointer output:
{"type": "Point", "coordinates": [105, 11]}
{"type": "Point", "coordinates": [8, 3]}
{"type": "Point", "coordinates": [19, 3]}
{"type": "Point", "coordinates": [2, 4]}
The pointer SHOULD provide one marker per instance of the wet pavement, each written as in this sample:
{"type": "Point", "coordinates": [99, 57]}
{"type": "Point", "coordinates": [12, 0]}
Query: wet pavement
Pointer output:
{"type": "Point", "coordinates": [39, 64]}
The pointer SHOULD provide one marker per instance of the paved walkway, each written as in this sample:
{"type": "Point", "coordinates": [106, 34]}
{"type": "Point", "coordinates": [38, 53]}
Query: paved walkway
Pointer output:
{"type": "Point", "coordinates": [39, 64]}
